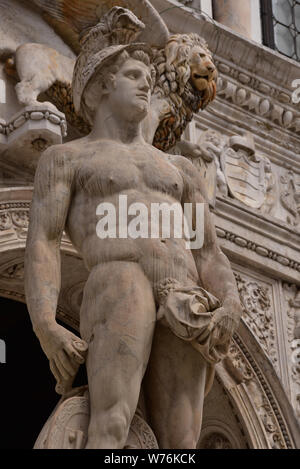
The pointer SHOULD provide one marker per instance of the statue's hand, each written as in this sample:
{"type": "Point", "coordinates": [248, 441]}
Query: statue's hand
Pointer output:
{"type": "Point", "coordinates": [224, 323]}
{"type": "Point", "coordinates": [65, 351]}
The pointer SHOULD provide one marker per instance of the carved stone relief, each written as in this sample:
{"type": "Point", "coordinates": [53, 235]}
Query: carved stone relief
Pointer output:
{"type": "Point", "coordinates": [14, 216]}
{"type": "Point", "coordinates": [266, 415]}
{"type": "Point", "coordinates": [231, 167]}
{"type": "Point", "coordinates": [256, 387]}
{"type": "Point", "coordinates": [246, 384]}
{"type": "Point", "coordinates": [292, 299]}
{"type": "Point", "coordinates": [15, 271]}
{"type": "Point", "coordinates": [216, 441]}
{"type": "Point", "coordinates": [248, 176]}
{"type": "Point", "coordinates": [67, 427]}
{"type": "Point", "coordinates": [290, 197]}
{"type": "Point", "coordinates": [237, 366]}
{"type": "Point", "coordinates": [258, 315]}
{"type": "Point", "coordinates": [211, 144]}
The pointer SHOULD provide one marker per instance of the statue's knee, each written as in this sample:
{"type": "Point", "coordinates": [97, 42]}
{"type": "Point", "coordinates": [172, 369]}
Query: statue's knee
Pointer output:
{"type": "Point", "coordinates": [189, 441]}
{"type": "Point", "coordinates": [118, 427]}
{"type": "Point", "coordinates": [110, 426]}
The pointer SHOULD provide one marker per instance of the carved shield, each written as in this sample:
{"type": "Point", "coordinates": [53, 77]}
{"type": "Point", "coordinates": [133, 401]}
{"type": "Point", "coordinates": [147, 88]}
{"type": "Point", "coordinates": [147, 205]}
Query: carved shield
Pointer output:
{"type": "Point", "coordinates": [67, 426]}
{"type": "Point", "coordinates": [245, 177]}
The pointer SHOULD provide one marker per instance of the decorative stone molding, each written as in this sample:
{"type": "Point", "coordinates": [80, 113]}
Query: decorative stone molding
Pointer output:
{"type": "Point", "coordinates": [256, 84]}
{"type": "Point", "coordinates": [30, 132]}
{"type": "Point", "coordinates": [260, 250]}
{"type": "Point", "coordinates": [34, 115]}
{"type": "Point", "coordinates": [257, 103]}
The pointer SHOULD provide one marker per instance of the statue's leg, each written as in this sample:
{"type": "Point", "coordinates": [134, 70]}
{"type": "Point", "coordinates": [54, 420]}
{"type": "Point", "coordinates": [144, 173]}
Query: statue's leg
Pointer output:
{"type": "Point", "coordinates": [174, 391]}
{"type": "Point", "coordinates": [117, 319]}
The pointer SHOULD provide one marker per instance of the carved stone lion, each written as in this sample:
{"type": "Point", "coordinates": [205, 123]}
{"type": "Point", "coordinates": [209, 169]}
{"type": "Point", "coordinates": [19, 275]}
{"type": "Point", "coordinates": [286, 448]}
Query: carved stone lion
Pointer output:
{"type": "Point", "coordinates": [187, 81]}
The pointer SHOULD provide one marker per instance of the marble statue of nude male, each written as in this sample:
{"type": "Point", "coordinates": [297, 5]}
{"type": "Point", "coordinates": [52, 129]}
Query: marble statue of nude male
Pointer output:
{"type": "Point", "coordinates": [127, 277]}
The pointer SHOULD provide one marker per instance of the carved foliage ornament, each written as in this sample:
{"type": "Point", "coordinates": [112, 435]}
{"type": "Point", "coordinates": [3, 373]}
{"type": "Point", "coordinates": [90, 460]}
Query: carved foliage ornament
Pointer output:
{"type": "Point", "coordinates": [256, 302]}
{"type": "Point", "coordinates": [292, 297]}
{"type": "Point", "coordinates": [15, 218]}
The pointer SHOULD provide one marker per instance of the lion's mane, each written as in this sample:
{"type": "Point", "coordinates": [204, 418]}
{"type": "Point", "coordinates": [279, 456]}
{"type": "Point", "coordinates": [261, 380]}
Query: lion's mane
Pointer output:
{"type": "Point", "coordinates": [173, 84]}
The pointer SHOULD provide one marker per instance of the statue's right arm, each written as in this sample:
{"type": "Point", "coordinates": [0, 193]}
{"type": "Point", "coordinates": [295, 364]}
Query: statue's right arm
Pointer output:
{"type": "Point", "coordinates": [50, 203]}
{"type": "Point", "coordinates": [49, 209]}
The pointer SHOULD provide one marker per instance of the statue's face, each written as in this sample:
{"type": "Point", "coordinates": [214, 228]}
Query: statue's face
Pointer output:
{"type": "Point", "coordinates": [203, 70]}
{"type": "Point", "coordinates": [131, 91]}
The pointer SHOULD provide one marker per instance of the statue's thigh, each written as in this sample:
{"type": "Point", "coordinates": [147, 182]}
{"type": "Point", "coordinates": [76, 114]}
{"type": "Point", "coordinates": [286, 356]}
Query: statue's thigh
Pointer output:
{"type": "Point", "coordinates": [118, 297]}
{"type": "Point", "coordinates": [174, 389]}
{"type": "Point", "coordinates": [117, 320]}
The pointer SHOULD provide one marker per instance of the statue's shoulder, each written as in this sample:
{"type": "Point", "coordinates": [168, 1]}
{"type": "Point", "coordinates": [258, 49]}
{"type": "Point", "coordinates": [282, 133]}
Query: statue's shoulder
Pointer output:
{"type": "Point", "coordinates": [62, 153]}
{"type": "Point", "coordinates": [60, 161]}
{"type": "Point", "coordinates": [191, 176]}
{"type": "Point", "coordinates": [183, 164]}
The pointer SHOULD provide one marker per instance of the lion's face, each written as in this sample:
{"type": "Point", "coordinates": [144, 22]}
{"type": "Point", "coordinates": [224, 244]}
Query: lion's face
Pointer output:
{"type": "Point", "coordinates": [203, 70]}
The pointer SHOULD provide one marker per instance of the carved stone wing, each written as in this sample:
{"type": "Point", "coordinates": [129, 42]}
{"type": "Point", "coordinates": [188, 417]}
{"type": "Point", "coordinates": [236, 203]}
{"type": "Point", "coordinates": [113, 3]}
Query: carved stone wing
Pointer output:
{"type": "Point", "coordinates": [71, 17]}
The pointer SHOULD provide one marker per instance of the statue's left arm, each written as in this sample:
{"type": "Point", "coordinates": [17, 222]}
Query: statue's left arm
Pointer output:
{"type": "Point", "coordinates": [213, 267]}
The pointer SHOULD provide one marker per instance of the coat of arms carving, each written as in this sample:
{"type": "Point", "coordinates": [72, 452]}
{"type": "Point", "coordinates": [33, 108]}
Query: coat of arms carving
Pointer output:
{"type": "Point", "coordinates": [244, 171]}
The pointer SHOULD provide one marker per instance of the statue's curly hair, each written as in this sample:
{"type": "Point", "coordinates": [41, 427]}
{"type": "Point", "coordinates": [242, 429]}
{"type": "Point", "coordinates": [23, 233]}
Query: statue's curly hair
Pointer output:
{"type": "Point", "coordinates": [173, 84]}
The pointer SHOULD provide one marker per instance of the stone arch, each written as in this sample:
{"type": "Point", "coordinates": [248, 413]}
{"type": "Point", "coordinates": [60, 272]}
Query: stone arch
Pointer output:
{"type": "Point", "coordinates": [257, 395]}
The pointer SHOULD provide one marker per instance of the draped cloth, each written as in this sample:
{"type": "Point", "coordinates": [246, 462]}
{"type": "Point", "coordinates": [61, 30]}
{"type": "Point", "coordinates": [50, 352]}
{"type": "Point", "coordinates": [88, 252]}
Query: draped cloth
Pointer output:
{"type": "Point", "coordinates": [188, 312]}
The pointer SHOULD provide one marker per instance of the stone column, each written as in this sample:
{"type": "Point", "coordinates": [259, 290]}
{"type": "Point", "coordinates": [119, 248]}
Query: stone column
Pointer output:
{"type": "Point", "coordinates": [236, 14]}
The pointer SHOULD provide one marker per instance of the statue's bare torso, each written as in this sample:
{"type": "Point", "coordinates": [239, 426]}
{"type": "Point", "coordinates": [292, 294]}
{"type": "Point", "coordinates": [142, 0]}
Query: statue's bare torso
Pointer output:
{"type": "Point", "coordinates": [102, 171]}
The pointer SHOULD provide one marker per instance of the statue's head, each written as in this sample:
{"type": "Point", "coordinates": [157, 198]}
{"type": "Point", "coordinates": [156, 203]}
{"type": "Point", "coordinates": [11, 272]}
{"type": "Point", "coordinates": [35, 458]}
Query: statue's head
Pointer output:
{"type": "Point", "coordinates": [125, 78]}
{"type": "Point", "coordinates": [111, 66]}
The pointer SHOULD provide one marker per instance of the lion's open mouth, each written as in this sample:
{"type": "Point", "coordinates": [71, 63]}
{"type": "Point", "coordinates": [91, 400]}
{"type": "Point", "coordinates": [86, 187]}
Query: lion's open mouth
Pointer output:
{"type": "Point", "coordinates": [197, 77]}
